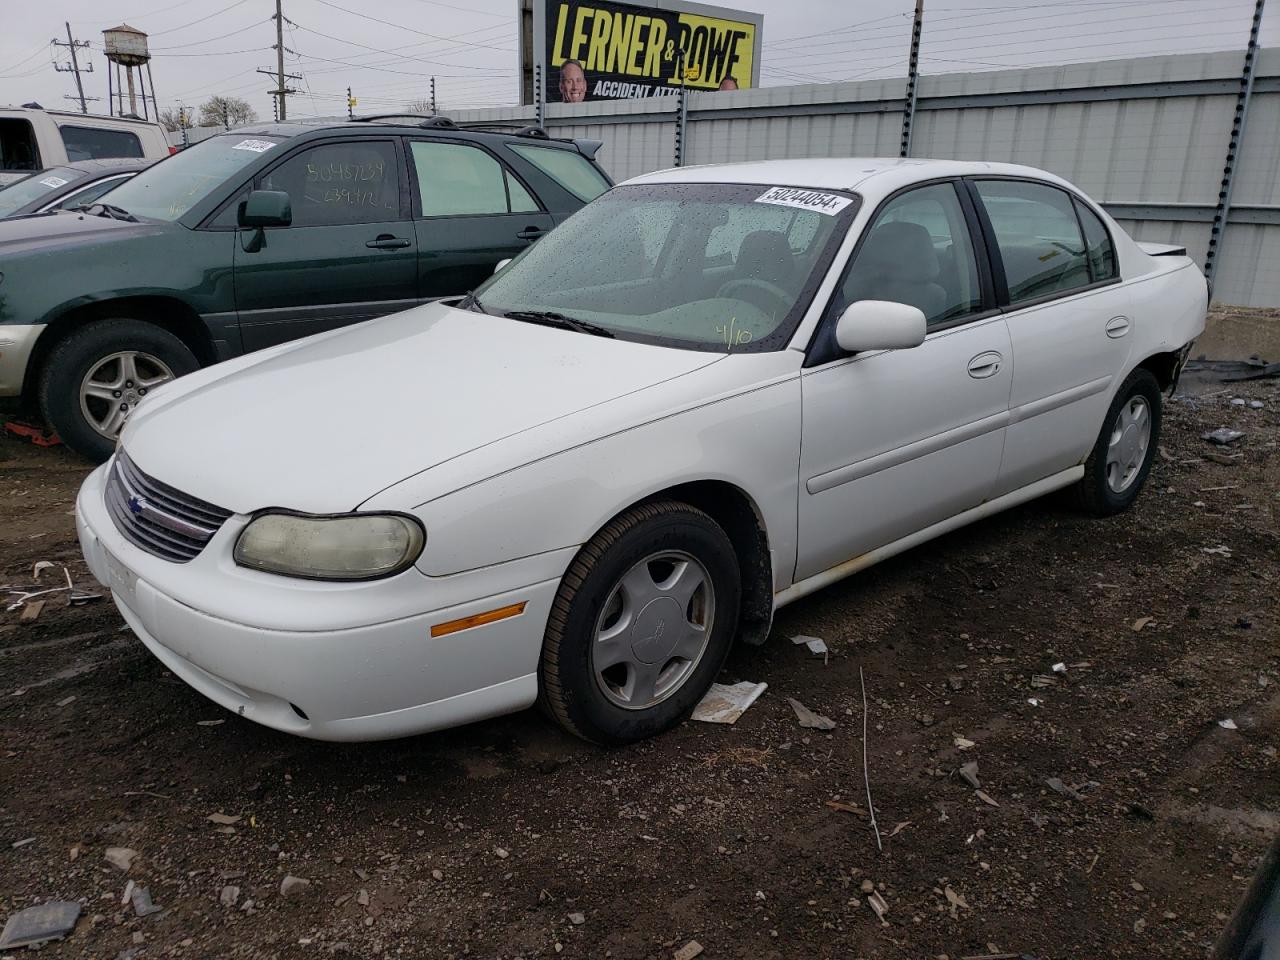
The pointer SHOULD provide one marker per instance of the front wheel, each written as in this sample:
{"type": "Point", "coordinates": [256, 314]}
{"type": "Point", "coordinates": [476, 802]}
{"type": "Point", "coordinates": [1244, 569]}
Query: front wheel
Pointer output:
{"type": "Point", "coordinates": [1121, 458]}
{"type": "Point", "coordinates": [641, 624]}
{"type": "Point", "coordinates": [96, 376]}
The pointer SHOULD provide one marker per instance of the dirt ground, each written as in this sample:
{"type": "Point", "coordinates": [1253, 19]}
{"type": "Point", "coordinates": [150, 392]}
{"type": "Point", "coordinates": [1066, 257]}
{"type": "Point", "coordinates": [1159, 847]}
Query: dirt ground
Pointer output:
{"type": "Point", "coordinates": [509, 839]}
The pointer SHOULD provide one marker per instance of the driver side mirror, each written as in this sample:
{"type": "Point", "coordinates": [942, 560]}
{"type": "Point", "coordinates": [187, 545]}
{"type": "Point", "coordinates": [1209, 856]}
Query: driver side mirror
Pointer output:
{"type": "Point", "coordinates": [263, 208]}
{"type": "Point", "coordinates": [880, 325]}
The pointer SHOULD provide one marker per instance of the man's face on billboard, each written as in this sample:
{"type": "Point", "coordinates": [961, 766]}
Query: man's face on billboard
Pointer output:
{"type": "Point", "coordinates": [573, 83]}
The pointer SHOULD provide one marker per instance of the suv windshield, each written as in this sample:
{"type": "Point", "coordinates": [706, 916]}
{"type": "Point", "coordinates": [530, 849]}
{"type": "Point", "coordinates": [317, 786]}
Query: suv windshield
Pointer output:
{"type": "Point", "coordinates": [169, 189]}
{"type": "Point", "coordinates": [704, 266]}
{"type": "Point", "coordinates": [18, 195]}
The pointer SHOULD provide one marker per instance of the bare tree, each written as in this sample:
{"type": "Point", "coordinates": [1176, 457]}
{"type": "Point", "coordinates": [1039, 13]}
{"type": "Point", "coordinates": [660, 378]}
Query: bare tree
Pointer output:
{"type": "Point", "coordinates": [422, 105]}
{"type": "Point", "coordinates": [170, 119]}
{"type": "Point", "coordinates": [226, 112]}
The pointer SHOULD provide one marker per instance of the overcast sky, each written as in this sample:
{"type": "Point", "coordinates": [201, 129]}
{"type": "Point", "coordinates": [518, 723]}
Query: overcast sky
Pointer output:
{"type": "Point", "coordinates": [386, 51]}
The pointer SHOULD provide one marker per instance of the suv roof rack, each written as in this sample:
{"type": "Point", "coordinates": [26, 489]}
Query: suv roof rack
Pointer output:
{"type": "Point", "coordinates": [518, 127]}
{"type": "Point", "coordinates": [432, 122]}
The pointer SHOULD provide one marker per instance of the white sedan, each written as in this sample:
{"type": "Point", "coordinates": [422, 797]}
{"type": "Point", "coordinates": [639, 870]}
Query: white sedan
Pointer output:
{"type": "Point", "coordinates": [708, 393]}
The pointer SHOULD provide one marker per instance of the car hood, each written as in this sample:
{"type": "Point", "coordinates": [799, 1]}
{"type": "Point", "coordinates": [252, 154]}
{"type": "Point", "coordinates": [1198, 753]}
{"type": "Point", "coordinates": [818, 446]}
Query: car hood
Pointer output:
{"type": "Point", "coordinates": [41, 230]}
{"type": "Point", "coordinates": [323, 424]}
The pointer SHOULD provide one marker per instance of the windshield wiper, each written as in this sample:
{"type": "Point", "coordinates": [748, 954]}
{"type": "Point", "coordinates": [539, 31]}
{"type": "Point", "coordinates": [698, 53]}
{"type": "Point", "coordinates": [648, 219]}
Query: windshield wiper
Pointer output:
{"type": "Point", "coordinates": [549, 318]}
{"type": "Point", "coordinates": [471, 300]}
{"type": "Point", "coordinates": [108, 210]}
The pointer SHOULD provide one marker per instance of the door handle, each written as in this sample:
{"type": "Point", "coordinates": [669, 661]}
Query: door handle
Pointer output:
{"type": "Point", "coordinates": [985, 365]}
{"type": "Point", "coordinates": [1117, 327]}
{"type": "Point", "coordinates": [530, 233]}
{"type": "Point", "coordinates": [386, 241]}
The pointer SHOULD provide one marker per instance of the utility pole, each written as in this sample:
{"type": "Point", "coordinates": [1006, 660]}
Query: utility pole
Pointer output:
{"type": "Point", "coordinates": [281, 91]}
{"type": "Point", "coordinates": [74, 67]}
{"type": "Point", "coordinates": [433, 96]}
{"type": "Point", "coordinates": [351, 102]}
{"type": "Point", "coordinates": [913, 81]}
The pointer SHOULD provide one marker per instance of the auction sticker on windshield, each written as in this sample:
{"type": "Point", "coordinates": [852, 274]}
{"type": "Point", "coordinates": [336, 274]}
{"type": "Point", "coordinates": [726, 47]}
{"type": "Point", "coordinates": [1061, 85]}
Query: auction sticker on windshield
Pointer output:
{"type": "Point", "coordinates": [828, 203]}
{"type": "Point", "coordinates": [54, 182]}
{"type": "Point", "coordinates": [257, 146]}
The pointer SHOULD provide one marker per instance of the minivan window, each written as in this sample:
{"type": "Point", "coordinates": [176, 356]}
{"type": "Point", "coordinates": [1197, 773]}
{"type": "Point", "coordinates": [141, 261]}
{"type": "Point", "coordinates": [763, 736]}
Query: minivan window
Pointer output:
{"type": "Point", "coordinates": [94, 143]}
{"type": "Point", "coordinates": [18, 149]}
{"type": "Point", "coordinates": [18, 195]}
{"type": "Point", "coordinates": [172, 187]}
{"type": "Point", "coordinates": [571, 170]}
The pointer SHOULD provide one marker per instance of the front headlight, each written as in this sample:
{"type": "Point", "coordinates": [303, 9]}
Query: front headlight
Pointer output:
{"type": "Point", "coordinates": [356, 546]}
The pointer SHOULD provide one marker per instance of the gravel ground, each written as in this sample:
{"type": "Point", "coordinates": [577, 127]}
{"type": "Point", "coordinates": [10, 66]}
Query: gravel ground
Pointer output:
{"type": "Point", "coordinates": [509, 839]}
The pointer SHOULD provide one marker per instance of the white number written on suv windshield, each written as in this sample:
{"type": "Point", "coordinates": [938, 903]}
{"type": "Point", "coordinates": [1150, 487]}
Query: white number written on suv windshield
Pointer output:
{"type": "Point", "coordinates": [707, 266]}
{"type": "Point", "coordinates": [169, 189]}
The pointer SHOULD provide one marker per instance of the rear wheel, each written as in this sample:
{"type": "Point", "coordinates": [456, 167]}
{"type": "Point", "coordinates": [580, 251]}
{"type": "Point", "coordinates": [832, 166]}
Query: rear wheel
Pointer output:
{"type": "Point", "coordinates": [1121, 458]}
{"type": "Point", "coordinates": [95, 377]}
{"type": "Point", "coordinates": [641, 624]}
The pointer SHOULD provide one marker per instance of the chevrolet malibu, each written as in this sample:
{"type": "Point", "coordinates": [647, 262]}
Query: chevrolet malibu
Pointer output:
{"type": "Point", "coordinates": [708, 393]}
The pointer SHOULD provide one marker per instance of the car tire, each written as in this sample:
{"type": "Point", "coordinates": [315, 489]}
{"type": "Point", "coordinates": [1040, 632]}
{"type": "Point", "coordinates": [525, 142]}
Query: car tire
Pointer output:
{"type": "Point", "coordinates": [1121, 458]}
{"type": "Point", "coordinates": [658, 590]}
{"type": "Point", "coordinates": [66, 393]}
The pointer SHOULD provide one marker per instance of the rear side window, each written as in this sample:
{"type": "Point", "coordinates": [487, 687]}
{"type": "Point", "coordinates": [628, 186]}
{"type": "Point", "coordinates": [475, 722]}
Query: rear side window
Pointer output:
{"type": "Point", "coordinates": [18, 149]}
{"type": "Point", "coordinates": [1102, 255]}
{"type": "Point", "coordinates": [457, 180]}
{"type": "Point", "coordinates": [94, 143]}
{"type": "Point", "coordinates": [571, 170]}
{"type": "Point", "coordinates": [1038, 237]}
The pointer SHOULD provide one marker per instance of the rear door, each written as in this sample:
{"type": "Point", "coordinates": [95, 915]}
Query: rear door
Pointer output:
{"type": "Point", "coordinates": [470, 212]}
{"type": "Point", "coordinates": [1069, 323]}
{"type": "Point", "coordinates": [350, 253]}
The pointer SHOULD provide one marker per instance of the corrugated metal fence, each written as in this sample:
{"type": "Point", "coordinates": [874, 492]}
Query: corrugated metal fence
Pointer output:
{"type": "Point", "coordinates": [1147, 137]}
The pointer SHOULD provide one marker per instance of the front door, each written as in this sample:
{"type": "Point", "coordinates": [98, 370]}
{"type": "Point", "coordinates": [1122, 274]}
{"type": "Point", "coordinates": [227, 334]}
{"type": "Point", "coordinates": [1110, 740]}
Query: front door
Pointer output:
{"type": "Point", "coordinates": [471, 211]}
{"type": "Point", "coordinates": [894, 441]}
{"type": "Point", "coordinates": [349, 255]}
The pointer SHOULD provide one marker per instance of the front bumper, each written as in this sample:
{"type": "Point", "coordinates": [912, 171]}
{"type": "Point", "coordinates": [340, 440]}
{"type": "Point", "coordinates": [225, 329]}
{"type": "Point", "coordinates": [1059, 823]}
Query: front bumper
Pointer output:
{"type": "Point", "coordinates": [369, 677]}
{"type": "Point", "coordinates": [16, 343]}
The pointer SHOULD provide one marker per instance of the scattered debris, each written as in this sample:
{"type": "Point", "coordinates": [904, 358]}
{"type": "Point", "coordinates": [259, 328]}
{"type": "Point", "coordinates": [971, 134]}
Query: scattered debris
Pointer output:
{"type": "Point", "coordinates": [1058, 786]}
{"type": "Point", "coordinates": [40, 567]}
{"type": "Point", "coordinates": [955, 682]}
{"type": "Point", "coordinates": [501, 853]}
{"type": "Point", "coordinates": [985, 798]}
{"type": "Point", "coordinates": [224, 819]}
{"type": "Point", "coordinates": [963, 744]}
{"type": "Point", "coordinates": [292, 886]}
{"type": "Point", "coordinates": [120, 857]}
{"type": "Point", "coordinates": [1142, 622]}
{"type": "Point", "coordinates": [845, 807]}
{"type": "Point", "coordinates": [1035, 702]}
{"type": "Point", "coordinates": [47, 921]}
{"type": "Point", "coordinates": [898, 828]}
{"type": "Point", "coordinates": [866, 776]}
{"type": "Point", "coordinates": [437, 874]}
{"type": "Point", "coordinates": [1043, 680]}
{"type": "Point", "coordinates": [809, 719]}
{"type": "Point", "coordinates": [577, 919]}
{"type": "Point", "coordinates": [128, 893]}
{"type": "Point", "coordinates": [956, 900]}
{"type": "Point", "coordinates": [1256, 404]}
{"type": "Point", "coordinates": [1222, 436]}
{"type": "Point", "coordinates": [32, 611]}
{"type": "Point", "coordinates": [879, 906]}
{"type": "Point", "coordinates": [816, 646]}
{"type": "Point", "coordinates": [22, 843]}
{"type": "Point", "coordinates": [725, 703]}
{"type": "Point", "coordinates": [1059, 668]}
{"type": "Point", "coordinates": [142, 905]}
{"type": "Point", "coordinates": [969, 774]}
{"type": "Point", "coordinates": [690, 950]}
{"type": "Point", "coordinates": [209, 723]}
{"type": "Point", "coordinates": [1222, 550]}
{"type": "Point", "coordinates": [229, 896]}
{"type": "Point", "coordinates": [66, 701]}
{"type": "Point", "coordinates": [1228, 724]}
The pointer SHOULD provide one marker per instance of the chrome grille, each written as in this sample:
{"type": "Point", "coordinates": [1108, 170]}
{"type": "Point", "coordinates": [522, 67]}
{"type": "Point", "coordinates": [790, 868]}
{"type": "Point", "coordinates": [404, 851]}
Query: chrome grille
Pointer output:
{"type": "Point", "coordinates": [157, 518]}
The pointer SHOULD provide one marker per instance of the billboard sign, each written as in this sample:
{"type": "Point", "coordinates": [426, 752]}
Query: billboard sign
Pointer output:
{"type": "Point", "coordinates": [605, 50]}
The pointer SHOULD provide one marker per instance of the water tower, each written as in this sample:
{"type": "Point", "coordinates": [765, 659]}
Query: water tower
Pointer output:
{"type": "Point", "coordinates": [126, 47]}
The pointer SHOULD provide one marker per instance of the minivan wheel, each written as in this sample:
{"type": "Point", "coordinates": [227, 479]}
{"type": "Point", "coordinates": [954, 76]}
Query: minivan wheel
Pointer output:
{"type": "Point", "coordinates": [94, 378]}
{"type": "Point", "coordinates": [641, 625]}
{"type": "Point", "coordinates": [1121, 458]}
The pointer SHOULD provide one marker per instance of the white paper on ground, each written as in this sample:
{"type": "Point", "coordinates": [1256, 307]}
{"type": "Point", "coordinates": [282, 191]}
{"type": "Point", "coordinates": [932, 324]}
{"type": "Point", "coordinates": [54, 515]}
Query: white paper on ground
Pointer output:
{"type": "Point", "coordinates": [726, 703]}
{"type": "Point", "coordinates": [816, 646]}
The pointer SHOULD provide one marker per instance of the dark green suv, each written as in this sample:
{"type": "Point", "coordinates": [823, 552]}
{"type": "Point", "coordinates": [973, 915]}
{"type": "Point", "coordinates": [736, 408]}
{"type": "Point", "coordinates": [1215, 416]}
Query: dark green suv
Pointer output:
{"type": "Point", "coordinates": [259, 236]}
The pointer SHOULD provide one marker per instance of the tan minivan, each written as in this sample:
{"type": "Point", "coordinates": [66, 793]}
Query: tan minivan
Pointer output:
{"type": "Point", "coordinates": [34, 139]}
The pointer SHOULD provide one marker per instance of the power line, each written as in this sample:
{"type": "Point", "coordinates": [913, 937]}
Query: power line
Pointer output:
{"type": "Point", "coordinates": [196, 43]}
{"type": "Point", "coordinates": [402, 56]}
{"type": "Point", "coordinates": [401, 26]}
{"type": "Point", "coordinates": [43, 48]}
{"type": "Point", "coordinates": [208, 16]}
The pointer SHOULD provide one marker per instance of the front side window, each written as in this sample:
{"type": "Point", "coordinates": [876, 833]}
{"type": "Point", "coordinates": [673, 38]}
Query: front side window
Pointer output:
{"type": "Point", "coordinates": [572, 171]}
{"type": "Point", "coordinates": [457, 180]}
{"type": "Point", "coordinates": [94, 143]}
{"type": "Point", "coordinates": [704, 266]}
{"type": "Point", "coordinates": [173, 186]}
{"type": "Point", "coordinates": [29, 189]}
{"type": "Point", "coordinates": [1038, 238]}
{"type": "Point", "coordinates": [1102, 255]}
{"type": "Point", "coordinates": [356, 181]}
{"type": "Point", "coordinates": [918, 252]}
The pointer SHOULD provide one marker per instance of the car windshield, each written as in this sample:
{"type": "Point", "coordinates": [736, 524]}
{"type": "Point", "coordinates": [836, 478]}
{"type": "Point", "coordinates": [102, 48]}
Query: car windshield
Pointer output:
{"type": "Point", "coordinates": [703, 266]}
{"type": "Point", "coordinates": [17, 195]}
{"type": "Point", "coordinates": [172, 187]}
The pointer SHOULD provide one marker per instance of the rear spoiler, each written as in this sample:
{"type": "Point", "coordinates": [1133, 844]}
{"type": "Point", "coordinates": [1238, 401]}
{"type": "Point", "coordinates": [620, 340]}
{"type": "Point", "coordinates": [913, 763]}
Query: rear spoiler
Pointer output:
{"type": "Point", "coordinates": [1161, 249]}
{"type": "Point", "coordinates": [588, 148]}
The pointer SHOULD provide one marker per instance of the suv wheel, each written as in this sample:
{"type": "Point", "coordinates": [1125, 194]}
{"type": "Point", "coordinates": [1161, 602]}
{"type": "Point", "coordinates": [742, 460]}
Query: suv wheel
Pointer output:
{"type": "Point", "coordinates": [641, 624]}
{"type": "Point", "coordinates": [95, 377]}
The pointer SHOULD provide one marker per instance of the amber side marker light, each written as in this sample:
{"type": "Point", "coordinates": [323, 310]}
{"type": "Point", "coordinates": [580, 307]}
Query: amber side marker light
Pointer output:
{"type": "Point", "coordinates": [478, 620]}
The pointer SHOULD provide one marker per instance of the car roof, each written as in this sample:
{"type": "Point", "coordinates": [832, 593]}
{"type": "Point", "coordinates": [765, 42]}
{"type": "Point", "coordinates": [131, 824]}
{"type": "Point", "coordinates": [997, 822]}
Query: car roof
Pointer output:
{"type": "Point", "coordinates": [110, 164]}
{"type": "Point", "coordinates": [400, 124]}
{"type": "Point", "coordinates": [872, 175]}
